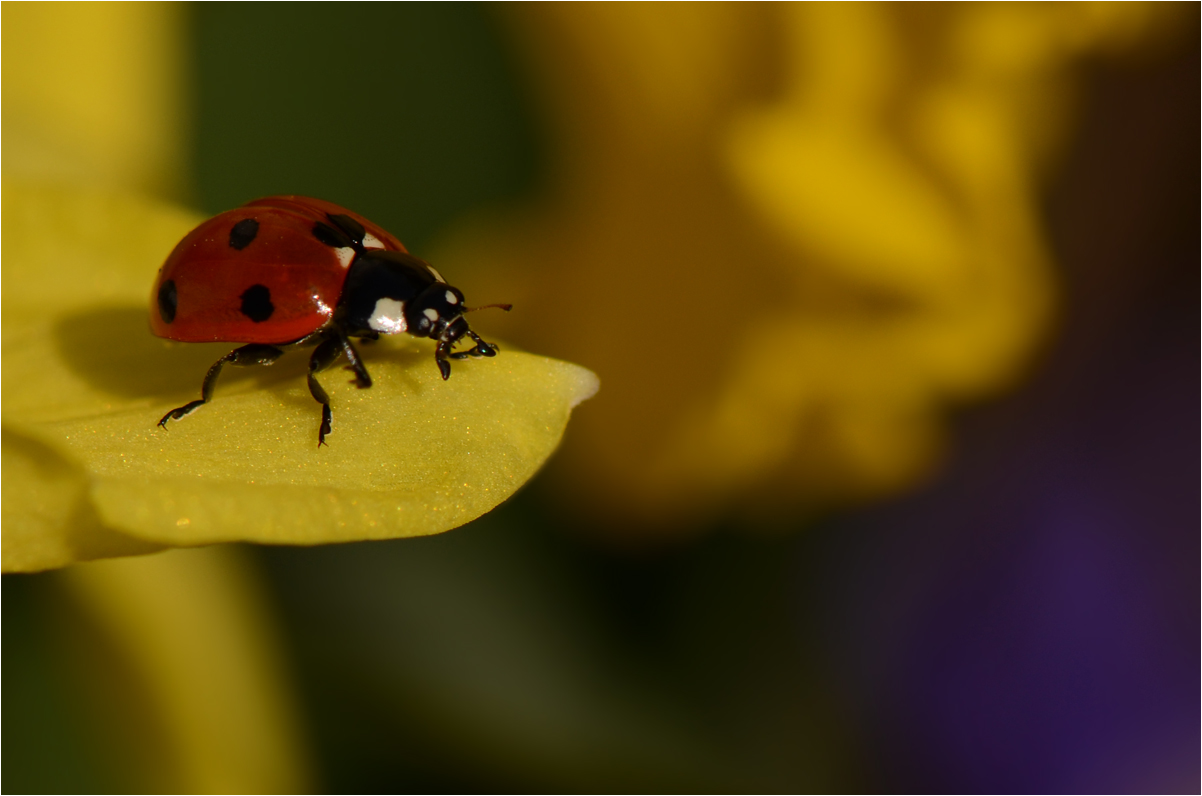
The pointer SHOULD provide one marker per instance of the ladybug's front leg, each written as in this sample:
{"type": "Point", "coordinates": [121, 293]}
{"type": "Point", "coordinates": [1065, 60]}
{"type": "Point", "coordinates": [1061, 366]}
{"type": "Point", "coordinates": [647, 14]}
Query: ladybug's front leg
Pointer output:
{"type": "Point", "coordinates": [323, 356]}
{"type": "Point", "coordinates": [444, 351]}
{"type": "Point", "coordinates": [482, 348]}
{"type": "Point", "coordinates": [253, 354]}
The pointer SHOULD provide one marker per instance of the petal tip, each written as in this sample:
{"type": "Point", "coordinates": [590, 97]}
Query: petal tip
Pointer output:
{"type": "Point", "coordinates": [586, 385]}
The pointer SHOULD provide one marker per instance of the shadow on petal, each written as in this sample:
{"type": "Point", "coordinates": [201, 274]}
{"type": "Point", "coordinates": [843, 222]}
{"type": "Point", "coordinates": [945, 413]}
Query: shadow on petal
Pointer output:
{"type": "Point", "coordinates": [113, 350]}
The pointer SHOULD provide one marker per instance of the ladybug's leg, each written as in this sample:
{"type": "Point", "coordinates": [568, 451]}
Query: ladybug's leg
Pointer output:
{"type": "Point", "coordinates": [362, 379]}
{"type": "Point", "coordinates": [323, 356]}
{"type": "Point", "coordinates": [440, 358]}
{"type": "Point", "coordinates": [443, 352]}
{"type": "Point", "coordinates": [482, 348]}
{"type": "Point", "coordinates": [253, 354]}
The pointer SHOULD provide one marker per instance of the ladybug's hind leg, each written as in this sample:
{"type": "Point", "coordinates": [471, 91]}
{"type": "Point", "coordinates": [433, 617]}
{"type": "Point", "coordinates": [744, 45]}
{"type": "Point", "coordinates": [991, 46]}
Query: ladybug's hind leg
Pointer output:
{"type": "Point", "coordinates": [323, 356]}
{"type": "Point", "coordinates": [253, 354]}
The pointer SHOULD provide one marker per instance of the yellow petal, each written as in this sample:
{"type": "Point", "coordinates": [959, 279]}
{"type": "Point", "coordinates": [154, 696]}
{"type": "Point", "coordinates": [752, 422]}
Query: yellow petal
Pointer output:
{"type": "Point", "coordinates": [85, 382]}
{"type": "Point", "coordinates": [48, 518]}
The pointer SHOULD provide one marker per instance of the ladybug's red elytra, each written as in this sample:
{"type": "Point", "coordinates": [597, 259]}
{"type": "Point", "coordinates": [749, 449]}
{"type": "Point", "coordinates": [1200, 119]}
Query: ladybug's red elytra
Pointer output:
{"type": "Point", "coordinates": [293, 271]}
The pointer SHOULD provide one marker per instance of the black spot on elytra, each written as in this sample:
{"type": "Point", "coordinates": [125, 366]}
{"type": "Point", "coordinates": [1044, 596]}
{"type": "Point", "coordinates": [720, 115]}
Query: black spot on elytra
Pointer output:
{"type": "Point", "coordinates": [330, 236]}
{"type": "Point", "coordinates": [256, 303]}
{"type": "Point", "coordinates": [243, 233]}
{"type": "Point", "coordinates": [353, 229]}
{"type": "Point", "coordinates": [168, 300]}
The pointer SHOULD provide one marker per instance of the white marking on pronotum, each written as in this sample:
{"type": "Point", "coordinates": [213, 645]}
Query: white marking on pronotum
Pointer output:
{"type": "Point", "coordinates": [370, 241]}
{"type": "Point", "coordinates": [437, 275]}
{"type": "Point", "coordinates": [345, 255]}
{"type": "Point", "coordinates": [388, 316]}
{"type": "Point", "coordinates": [431, 313]}
{"type": "Point", "coordinates": [452, 298]}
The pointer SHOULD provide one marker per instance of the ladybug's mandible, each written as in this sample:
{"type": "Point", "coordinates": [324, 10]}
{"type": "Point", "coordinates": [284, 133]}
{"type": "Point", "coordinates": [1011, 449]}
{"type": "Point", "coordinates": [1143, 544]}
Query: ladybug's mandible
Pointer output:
{"type": "Point", "coordinates": [293, 271]}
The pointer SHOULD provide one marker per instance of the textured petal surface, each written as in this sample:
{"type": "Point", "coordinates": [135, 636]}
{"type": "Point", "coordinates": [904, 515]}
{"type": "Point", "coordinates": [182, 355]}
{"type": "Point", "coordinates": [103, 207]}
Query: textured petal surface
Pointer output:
{"type": "Point", "coordinates": [87, 473]}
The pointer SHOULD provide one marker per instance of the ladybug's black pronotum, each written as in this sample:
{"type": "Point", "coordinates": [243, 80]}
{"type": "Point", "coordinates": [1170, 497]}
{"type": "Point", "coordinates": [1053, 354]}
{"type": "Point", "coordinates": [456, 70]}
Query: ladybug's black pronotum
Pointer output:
{"type": "Point", "coordinates": [292, 271]}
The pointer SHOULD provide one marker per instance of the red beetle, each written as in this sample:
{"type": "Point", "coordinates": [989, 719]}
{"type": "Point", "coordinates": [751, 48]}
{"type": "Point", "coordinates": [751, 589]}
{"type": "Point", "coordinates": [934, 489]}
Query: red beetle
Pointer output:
{"type": "Point", "coordinates": [293, 271]}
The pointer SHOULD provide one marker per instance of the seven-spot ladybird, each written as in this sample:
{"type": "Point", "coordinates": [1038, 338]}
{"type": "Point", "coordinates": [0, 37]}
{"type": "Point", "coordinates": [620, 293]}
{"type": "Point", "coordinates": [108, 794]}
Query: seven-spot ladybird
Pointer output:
{"type": "Point", "coordinates": [293, 271]}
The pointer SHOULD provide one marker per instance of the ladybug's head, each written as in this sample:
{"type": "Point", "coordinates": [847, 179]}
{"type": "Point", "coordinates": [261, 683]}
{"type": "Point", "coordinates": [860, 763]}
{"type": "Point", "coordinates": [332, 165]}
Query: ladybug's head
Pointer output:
{"type": "Point", "coordinates": [438, 313]}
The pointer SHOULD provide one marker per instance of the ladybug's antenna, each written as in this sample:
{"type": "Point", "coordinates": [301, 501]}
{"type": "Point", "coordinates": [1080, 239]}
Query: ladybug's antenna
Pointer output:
{"type": "Point", "coordinates": [506, 307]}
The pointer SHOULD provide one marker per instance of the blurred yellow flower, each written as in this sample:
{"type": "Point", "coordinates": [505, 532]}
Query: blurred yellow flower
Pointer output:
{"type": "Point", "coordinates": [191, 680]}
{"type": "Point", "coordinates": [791, 236]}
{"type": "Point", "coordinates": [95, 93]}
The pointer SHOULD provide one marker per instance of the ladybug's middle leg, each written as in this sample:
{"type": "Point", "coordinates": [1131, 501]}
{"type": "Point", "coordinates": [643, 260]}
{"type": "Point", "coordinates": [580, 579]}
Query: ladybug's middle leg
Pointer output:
{"type": "Point", "coordinates": [253, 354]}
{"type": "Point", "coordinates": [362, 379]}
{"type": "Point", "coordinates": [323, 356]}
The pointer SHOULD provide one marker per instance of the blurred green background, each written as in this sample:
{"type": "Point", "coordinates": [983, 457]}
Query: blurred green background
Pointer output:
{"type": "Point", "coordinates": [1013, 616]}
{"type": "Point", "coordinates": [411, 113]}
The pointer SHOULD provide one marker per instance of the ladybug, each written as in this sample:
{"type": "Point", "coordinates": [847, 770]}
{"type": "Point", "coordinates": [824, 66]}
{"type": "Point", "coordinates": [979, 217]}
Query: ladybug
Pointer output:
{"type": "Point", "coordinates": [290, 271]}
